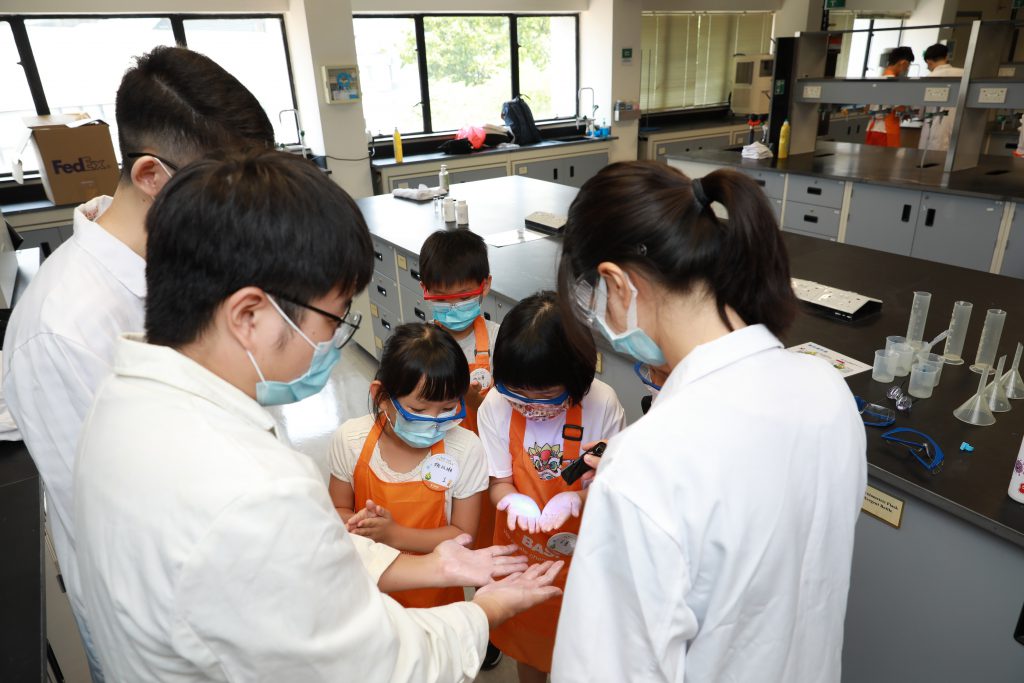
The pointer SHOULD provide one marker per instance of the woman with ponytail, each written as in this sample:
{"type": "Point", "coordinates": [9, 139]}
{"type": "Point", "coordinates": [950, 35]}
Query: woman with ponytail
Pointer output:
{"type": "Point", "coordinates": [718, 536]}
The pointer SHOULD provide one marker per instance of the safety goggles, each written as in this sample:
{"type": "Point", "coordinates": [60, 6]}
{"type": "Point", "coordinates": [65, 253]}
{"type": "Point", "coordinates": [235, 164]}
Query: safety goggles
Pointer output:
{"type": "Point", "coordinates": [873, 414]}
{"type": "Point", "coordinates": [643, 371]}
{"type": "Point", "coordinates": [347, 325]}
{"type": "Point", "coordinates": [479, 291]}
{"type": "Point", "coordinates": [444, 421]}
{"type": "Point", "coordinates": [926, 451]}
{"type": "Point", "coordinates": [139, 155]}
{"type": "Point", "coordinates": [508, 393]}
{"type": "Point", "coordinates": [589, 299]}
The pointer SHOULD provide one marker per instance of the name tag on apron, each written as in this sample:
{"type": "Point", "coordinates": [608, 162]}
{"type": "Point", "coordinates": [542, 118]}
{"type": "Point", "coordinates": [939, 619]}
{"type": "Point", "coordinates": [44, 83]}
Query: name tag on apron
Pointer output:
{"type": "Point", "coordinates": [439, 472]}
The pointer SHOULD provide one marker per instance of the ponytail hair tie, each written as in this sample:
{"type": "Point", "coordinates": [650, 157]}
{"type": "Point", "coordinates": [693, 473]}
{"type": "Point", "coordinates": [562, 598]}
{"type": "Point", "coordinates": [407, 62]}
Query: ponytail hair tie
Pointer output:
{"type": "Point", "coordinates": [698, 193]}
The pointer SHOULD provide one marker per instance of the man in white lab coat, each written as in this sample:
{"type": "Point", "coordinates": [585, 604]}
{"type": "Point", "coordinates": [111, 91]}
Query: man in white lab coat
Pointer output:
{"type": "Point", "coordinates": [172, 106]}
{"type": "Point", "coordinates": [938, 127]}
{"type": "Point", "coordinates": [208, 549]}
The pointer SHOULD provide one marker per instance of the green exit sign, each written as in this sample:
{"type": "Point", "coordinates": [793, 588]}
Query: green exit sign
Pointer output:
{"type": "Point", "coordinates": [839, 4]}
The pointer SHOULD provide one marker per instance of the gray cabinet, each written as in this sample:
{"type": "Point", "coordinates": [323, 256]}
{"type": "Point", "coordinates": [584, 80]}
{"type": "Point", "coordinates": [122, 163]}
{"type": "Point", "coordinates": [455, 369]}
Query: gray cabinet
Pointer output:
{"type": "Point", "coordinates": [1013, 258]}
{"type": "Point", "coordinates": [882, 218]}
{"type": "Point", "coordinates": [572, 171]}
{"type": "Point", "coordinates": [817, 220]}
{"type": "Point", "coordinates": [816, 191]}
{"type": "Point", "coordinates": [665, 149]}
{"type": "Point", "coordinates": [960, 231]}
{"type": "Point", "coordinates": [617, 372]}
{"type": "Point", "coordinates": [383, 257]}
{"type": "Point", "coordinates": [495, 307]}
{"type": "Point", "coordinates": [429, 180]}
{"type": "Point", "coordinates": [469, 174]}
{"type": "Point", "coordinates": [772, 182]}
{"type": "Point", "coordinates": [849, 129]}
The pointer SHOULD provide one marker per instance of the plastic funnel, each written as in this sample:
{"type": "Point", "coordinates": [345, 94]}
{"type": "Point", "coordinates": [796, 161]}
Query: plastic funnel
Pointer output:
{"type": "Point", "coordinates": [975, 410]}
{"type": "Point", "coordinates": [995, 395]}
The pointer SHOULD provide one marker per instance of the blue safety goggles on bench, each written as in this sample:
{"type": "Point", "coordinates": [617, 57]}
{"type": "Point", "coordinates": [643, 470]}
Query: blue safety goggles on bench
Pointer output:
{"type": "Point", "coordinates": [926, 451]}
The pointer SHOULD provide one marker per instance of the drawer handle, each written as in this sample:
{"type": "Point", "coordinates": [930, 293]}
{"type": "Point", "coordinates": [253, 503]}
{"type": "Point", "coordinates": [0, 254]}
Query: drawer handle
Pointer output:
{"type": "Point", "coordinates": [415, 274]}
{"type": "Point", "coordinates": [555, 172]}
{"type": "Point", "coordinates": [385, 324]}
{"type": "Point", "coordinates": [760, 182]}
{"type": "Point", "coordinates": [808, 218]}
{"type": "Point", "coordinates": [419, 314]}
{"type": "Point", "coordinates": [487, 316]}
{"type": "Point", "coordinates": [905, 217]}
{"type": "Point", "coordinates": [379, 255]}
{"type": "Point", "coordinates": [929, 218]}
{"type": "Point", "coordinates": [382, 291]}
{"type": "Point", "coordinates": [572, 171]}
{"type": "Point", "coordinates": [813, 190]}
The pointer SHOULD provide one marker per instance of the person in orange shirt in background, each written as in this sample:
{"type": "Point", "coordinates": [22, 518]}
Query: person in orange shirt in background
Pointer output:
{"type": "Point", "coordinates": [884, 129]}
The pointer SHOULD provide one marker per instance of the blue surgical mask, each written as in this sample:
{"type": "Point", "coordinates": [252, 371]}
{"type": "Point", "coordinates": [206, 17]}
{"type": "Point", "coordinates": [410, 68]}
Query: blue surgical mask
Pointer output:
{"type": "Point", "coordinates": [325, 356]}
{"type": "Point", "coordinates": [456, 316]}
{"type": "Point", "coordinates": [634, 341]}
{"type": "Point", "coordinates": [423, 431]}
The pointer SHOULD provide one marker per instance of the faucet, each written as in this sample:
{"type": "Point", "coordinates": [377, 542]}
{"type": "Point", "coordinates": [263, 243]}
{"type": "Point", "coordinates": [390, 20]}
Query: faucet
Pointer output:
{"type": "Point", "coordinates": [593, 111]}
{"type": "Point", "coordinates": [299, 132]}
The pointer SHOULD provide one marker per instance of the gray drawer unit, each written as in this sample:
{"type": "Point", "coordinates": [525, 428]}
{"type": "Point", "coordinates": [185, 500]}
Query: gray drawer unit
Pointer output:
{"type": "Point", "coordinates": [414, 308]}
{"type": "Point", "coordinates": [816, 191]}
{"type": "Point", "coordinates": [496, 307]}
{"type": "Point", "coordinates": [469, 174]}
{"type": "Point", "coordinates": [383, 291]}
{"type": "Point", "coordinates": [882, 218]}
{"type": "Point", "coordinates": [383, 257]}
{"type": "Point", "coordinates": [810, 234]}
{"type": "Point", "coordinates": [772, 182]}
{"type": "Point", "coordinates": [384, 322]}
{"type": "Point", "coordinates": [617, 372]}
{"type": "Point", "coordinates": [1013, 258]}
{"type": "Point", "coordinates": [414, 182]}
{"type": "Point", "coordinates": [818, 220]}
{"type": "Point", "coordinates": [665, 149]}
{"type": "Point", "coordinates": [776, 208]}
{"type": "Point", "coordinates": [1002, 144]}
{"type": "Point", "coordinates": [408, 270]}
{"type": "Point", "coordinates": [960, 231]}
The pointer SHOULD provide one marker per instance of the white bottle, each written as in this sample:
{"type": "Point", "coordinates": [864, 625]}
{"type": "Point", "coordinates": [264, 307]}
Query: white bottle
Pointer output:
{"type": "Point", "coordinates": [1016, 490]}
{"type": "Point", "coordinates": [462, 213]}
{"type": "Point", "coordinates": [442, 181]}
{"type": "Point", "coordinates": [449, 210]}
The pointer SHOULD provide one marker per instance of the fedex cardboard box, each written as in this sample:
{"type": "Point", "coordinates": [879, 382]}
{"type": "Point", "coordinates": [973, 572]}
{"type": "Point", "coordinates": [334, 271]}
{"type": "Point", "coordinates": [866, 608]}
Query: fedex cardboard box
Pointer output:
{"type": "Point", "coordinates": [76, 157]}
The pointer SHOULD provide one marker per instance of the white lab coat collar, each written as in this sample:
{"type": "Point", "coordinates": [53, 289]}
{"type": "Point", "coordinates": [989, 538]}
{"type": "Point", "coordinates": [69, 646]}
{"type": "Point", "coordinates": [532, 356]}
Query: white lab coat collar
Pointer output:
{"type": "Point", "coordinates": [717, 354]}
{"type": "Point", "coordinates": [945, 71]}
{"type": "Point", "coordinates": [134, 357]}
{"type": "Point", "coordinates": [117, 257]}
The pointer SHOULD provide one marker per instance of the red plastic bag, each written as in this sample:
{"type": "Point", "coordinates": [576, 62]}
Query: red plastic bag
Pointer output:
{"type": "Point", "coordinates": [475, 134]}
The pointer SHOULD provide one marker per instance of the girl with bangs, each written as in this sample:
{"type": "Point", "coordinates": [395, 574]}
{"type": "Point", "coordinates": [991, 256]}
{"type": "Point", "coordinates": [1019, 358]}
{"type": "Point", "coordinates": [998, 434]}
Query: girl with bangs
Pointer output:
{"type": "Point", "coordinates": [407, 474]}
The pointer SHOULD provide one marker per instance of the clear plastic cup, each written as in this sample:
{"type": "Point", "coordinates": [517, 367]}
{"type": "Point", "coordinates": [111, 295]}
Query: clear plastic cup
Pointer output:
{"type": "Point", "coordinates": [936, 360]}
{"type": "Point", "coordinates": [922, 380]}
{"type": "Point", "coordinates": [885, 365]}
{"type": "Point", "coordinates": [905, 352]}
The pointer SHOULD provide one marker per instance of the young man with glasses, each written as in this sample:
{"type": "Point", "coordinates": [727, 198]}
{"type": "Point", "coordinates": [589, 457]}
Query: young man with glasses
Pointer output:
{"type": "Point", "coordinates": [209, 550]}
{"type": "Point", "coordinates": [172, 107]}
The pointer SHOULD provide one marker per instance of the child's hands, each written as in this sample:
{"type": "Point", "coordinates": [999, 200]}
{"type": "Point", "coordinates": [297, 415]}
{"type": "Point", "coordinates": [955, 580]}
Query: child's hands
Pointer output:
{"type": "Point", "coordinates": [559, 509]}
{"type": "Point", "coordinates": [474, 397]}
{"type": "Point", "coordinates": [522, 511]}
{"type": "Point", "coordinates": [375, 524]}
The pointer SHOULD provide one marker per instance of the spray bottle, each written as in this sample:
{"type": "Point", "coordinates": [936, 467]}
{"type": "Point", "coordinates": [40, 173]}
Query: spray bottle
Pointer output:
{"type": "Point", "coordinates": [784, 140]}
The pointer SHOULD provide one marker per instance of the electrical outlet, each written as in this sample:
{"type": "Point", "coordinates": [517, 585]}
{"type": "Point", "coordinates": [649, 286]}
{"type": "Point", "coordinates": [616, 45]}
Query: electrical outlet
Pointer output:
{"type": "Point", "coordinates": [936, 94]}
{"type": "Point", "coordinates": [1007, 72]}
{"type": "Point", "coordinates": [812, 92]}
{"type": "Point", "coordinates": [992, 96]}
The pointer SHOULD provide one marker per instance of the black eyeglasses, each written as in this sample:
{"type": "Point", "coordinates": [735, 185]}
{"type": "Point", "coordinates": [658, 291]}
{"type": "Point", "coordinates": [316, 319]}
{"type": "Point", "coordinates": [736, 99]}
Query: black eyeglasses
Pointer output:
{"type": "Point", "coordinates": [138, 155]}
{"type": "Point", "coordinates": [346, 328]}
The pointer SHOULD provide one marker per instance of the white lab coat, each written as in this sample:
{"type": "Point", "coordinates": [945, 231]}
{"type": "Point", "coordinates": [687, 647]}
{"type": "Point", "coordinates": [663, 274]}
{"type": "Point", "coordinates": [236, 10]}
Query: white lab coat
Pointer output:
{"type": "Point", "coordinates": [210, 551]}
{"type": "Point", "coordinates": [718, 535]}
{"type": "Point", "coordinates": [937, 131]}
{"type": "Point", "coordinates": [59, 346]}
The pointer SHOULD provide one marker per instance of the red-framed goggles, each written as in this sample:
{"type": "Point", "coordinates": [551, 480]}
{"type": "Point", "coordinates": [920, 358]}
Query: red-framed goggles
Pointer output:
{"type": "Point", "coordinates": [451, 297]}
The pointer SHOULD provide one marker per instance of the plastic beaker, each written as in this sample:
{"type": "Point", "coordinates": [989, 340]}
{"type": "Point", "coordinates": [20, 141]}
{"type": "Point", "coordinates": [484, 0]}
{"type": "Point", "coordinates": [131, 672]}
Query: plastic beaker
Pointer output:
{"type": "Point", "coordinates": [922, 380]}
{"type": "Point", "coordinates": [904, 352]}
{"type": "Point", "coordinates": [958, 324]}
{"type": "Point", "coordinates": [989, 343]}
{"type": "Point", "coordinates": [884, 369]}
{"type": "Point", "coordinates": [933, 359]}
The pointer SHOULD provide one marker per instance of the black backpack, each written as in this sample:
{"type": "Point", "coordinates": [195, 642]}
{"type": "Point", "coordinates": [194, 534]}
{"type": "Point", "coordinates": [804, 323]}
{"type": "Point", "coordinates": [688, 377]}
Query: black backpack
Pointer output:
{"type": "Point", "coordinates": [518, 117]}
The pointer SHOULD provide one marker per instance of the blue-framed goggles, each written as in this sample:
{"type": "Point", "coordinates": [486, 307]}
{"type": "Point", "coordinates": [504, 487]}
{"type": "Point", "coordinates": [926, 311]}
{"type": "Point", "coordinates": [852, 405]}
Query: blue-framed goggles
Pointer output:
{"type": "Point", "coordinates": [643, 371]}
{"type": "Point", "coordinates": [873, 414]}
{"type": "Point", "coordinates": [926, 451]}
{"type": "Point", "coordinates": [440, 420]}
{"type": "Point", "coordinates": [508, 393]}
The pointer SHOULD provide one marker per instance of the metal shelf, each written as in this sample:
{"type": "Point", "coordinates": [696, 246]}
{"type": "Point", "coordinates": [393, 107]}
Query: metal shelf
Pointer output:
{"type": "Point", "coordinates": [921, 92]}
{"type": "Point", "coordinates": [999, 93]}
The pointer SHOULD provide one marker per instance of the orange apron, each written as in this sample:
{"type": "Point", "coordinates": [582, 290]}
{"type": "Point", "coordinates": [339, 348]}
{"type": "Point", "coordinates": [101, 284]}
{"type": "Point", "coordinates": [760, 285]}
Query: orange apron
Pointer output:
{"type": "Point", "coordinates": [412, 504]}
{"type": "Point", "coordinates": [530, 637]}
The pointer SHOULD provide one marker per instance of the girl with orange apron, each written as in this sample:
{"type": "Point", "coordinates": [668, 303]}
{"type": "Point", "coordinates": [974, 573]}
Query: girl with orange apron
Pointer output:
{"type": "Point", "coordinates": [529, 638]}
{"type": "Point", "coordinates": [417, 504]}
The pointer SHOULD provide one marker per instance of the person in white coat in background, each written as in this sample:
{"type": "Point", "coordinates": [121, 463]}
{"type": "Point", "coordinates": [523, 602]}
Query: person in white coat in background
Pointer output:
{"type": "Point", "coordinates": [208, 549]}
{"type": "Point", "coordinates": [718, 535]}
{"type": "Point", "coordinates": [938, 127]}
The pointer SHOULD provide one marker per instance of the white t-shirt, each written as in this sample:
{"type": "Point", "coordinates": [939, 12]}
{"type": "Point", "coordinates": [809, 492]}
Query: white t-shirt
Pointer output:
{"type": "Point", "coordinates": [603, 418]}
{"type": "Point", "coordinates": [468, 344]}
{"type": "Point", "coordinates": [461, 444]}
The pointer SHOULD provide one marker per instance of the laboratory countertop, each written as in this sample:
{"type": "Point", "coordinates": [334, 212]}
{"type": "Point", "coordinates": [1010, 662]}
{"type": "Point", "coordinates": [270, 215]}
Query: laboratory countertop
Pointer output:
{"type": "Point", "coordinates": [703, 124]}
{"type": "Point", "coordinates": [971, 486]}
{"type": "Point", "coordinates": [1000, 178]}
{"type": "Point", "coordinates": [389, 162]}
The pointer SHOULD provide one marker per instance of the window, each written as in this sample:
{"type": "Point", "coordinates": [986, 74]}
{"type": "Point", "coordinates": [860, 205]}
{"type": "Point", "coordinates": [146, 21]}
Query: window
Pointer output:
{"type": "Point", "coordinates": [253, 51]}
{"type": "Point", "coordinates": [861, 53]}
{"type": "Point", "coordinates": [686, 58]}
{"type": "Point", "coordinates": [15, 103]}
{"type": "Point", "coordinates": [80, 60]}
{"type": "Point", "coordinates": [431, 73]}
